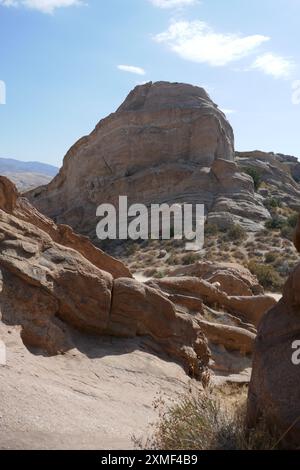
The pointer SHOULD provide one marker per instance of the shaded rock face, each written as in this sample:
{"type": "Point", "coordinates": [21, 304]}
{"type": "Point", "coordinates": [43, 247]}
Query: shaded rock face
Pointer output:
{"type": "Point", "coordinates": [168, 142]}
{"type": "Point", "coordinates": [275, 384]}
{"type": "Point", "coordinates": [53, 281]}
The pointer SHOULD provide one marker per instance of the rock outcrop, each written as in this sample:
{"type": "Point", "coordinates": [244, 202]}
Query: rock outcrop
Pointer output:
{"type": "Point", "coordinates": [234, 279]}
{"type": "Point", "coordinates": [249, 308]}
{"type": "Point", "coordinates": [228, 322]}
{"type": "Point", "coordinates": [53, 280]}
{"type": "Point", "coordinates": [275, 384]}
{"type": "Point", "coordinates": [168, 142]}
{"type": "Point", "coordinates": [278, 176]}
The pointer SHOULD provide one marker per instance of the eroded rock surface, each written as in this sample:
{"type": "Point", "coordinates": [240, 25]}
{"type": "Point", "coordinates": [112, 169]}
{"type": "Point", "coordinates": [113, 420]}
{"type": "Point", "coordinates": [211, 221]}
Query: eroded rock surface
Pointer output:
{"type": "Point", "coordinates": [52, 280]}
{"type": "Point", "coordinates": [275, 384]}
{"type": "Point", "coordinates": [168, 142]}
{"type": "Point", "coordinates": [233, 279]}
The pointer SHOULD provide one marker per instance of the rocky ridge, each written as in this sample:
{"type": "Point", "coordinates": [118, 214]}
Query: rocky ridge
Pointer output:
{"type": "Point", "coordinates": [61, 297]}
{"type": "Point", "coordinates": [168, 142]}
{"type": "Point", "coordinates": [54, 280]}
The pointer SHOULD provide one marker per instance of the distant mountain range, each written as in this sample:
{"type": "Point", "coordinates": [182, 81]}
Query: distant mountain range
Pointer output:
{"type": "Point", "coordinates": [27, 175]}
{"type": "Point", "coordinates": [11, 165]}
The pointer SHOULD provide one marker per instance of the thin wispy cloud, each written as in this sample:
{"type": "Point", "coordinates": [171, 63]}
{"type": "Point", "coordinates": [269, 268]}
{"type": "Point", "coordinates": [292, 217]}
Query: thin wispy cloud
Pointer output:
{"type": "Point", "coordinates": [173, 3]}
{"type": "Point", "coordinates": [228, 111]}
{"type": "Point", "coordinates": [198, 42]}
{"type": "Point", "coordinates": [275, 65]}
{"type": "Point", "coordinates": [132, 69]}
{"type": "Point", "coordinates": [44, 6]}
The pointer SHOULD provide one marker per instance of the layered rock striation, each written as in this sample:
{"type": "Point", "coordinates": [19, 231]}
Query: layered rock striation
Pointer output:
{"type": "Point", "coordinates": [168, 142]}
{"type": "Point", "coordinates": [53, 281]}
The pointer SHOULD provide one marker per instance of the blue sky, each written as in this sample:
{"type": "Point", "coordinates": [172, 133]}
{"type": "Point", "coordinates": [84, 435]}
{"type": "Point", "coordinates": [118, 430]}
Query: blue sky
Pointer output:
{"type": "Point", "coordinates": [68, 63]}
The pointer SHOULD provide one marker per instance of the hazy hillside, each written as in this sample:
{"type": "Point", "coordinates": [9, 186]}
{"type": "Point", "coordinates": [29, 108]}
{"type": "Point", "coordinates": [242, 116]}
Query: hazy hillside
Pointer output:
{"type": "Point", "coordinates": [27, 175]}
{"type": "Point", "coordinates": [11, 165]}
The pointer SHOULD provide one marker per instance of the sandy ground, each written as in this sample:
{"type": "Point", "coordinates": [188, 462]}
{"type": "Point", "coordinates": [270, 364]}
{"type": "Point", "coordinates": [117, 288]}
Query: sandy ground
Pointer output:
{"type": "Point", "coordinates": [97, 396]}
{"type": "Point", "coordinates": [139, 276]}
{"type": "Point", "coordinates": [274, 295]}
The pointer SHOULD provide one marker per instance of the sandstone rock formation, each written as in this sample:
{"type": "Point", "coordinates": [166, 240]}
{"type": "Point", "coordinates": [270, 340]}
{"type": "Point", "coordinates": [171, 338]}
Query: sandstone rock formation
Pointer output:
{"type": "Point", "coordinates": [280, 175]}
{"type": "Point", "coordinates": [275, 384]}
{"type": "Point", "coordinates": [168, 142]}
{"type": "Point", "coordinates": [228, 322]}
{"type": "Point", "coordinates": [249, 308]}
{"type": "Point", "coordinates": [234, 279]}
{"type": "Point", "coordinates": [52, 280]}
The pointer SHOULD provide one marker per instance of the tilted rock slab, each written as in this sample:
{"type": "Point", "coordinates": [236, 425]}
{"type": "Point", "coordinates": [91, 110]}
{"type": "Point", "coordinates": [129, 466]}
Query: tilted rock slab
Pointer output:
{"type": "Point", "coordinates": [233, 278]}
{"type": "Point", "coordinates": [53, 280]}
{"type": "Point", "coordinates": [249, 308]}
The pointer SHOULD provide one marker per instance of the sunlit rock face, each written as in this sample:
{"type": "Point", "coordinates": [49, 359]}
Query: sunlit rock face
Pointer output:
{"type": "Point", "coordinates": [168, 142]}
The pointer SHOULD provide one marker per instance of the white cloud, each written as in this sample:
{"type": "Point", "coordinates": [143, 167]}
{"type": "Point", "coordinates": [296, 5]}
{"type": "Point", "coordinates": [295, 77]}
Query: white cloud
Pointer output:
{"type": "Point", "coordinates": [228, 111]}
{"type": "Point", "coordinates": [44, 6]}
{"type": "Point", "coordinates": [172, 3]}
{"type": "Point", "coordinates": [132, 69]}
{"type": "Point", "coordinates": [275, 65]}
{"type": "Point", "coordinates": [198, 42]}
{"type": "Point", "coordinates": [9, 3]}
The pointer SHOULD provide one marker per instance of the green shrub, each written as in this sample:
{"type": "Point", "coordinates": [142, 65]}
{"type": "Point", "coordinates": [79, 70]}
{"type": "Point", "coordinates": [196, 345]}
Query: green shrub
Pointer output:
{"type": "Point", "coordinates": [287, 232]}
{"type": "Point", "coordinates": [273, 203]}
{"type": "Point", "coordinates": [131, 248]}
{"type": "Point", "coordinates": [190, 258]}
{"type": "Point", "coordinates": [201, 423]}
{"type": "Point", "coordinates": [271, 257]}
{"type": "Point", "coordinates": [211, 229]}
{"type": "Point", "coordinates": [276, 223]}
{"type": "Point", "coordinates": [267, 275]}
{"type": "Point", "coordinates": [174, 260]}
{"type": "Point", "coordinates": [159, 275]}
{"type": "Point", "coordinates": [293, 220]}
{"type": "Point", "coordinates": [255, 175]}
{"type": "Point", "coordinates": [236, 233]}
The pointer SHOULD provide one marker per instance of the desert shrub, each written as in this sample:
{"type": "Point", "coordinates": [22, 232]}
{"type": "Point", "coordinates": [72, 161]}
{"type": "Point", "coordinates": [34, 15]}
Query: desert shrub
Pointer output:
{"type": "Point", "coordinates": [255, 175]}
{"type": "Point", "coordinates": [190, 258]}
{"type": "Point", "coordinates": [174, 260]}
{"type": "Point", "coordinates": [149, 272]}
{"type": "Point", "coordinates": [292, 220]}
{"type": "Point", "coordinates": [211, 229]}
{"type": "Point", "coordinates": [131, 249]}
{"type": "Point", "coordinates": [236, 233]}
{"type": "Point", "coordinates": [287, 232]}
{"type": "Point", "coordinates": [275, 223]}
{"type": "Point", "coordinates": [273, 203]}
{"type": "Point", "coordinates": [202, 423]}
{"type": "Point", "coordinates": [238, 254]}
{"type": "Point", "coordinates": [271, 257]}
{"type": "Point", "coordinates": [266, 274]}
{"type": "Point", "coordinates": [159, 274]}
